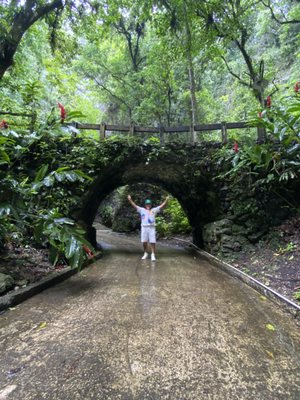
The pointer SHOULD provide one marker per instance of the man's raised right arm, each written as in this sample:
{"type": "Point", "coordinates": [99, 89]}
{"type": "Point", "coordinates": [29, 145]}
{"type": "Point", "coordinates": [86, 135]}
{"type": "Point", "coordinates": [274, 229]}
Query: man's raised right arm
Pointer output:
{"type": "Point", "coordinates": [132, 202]}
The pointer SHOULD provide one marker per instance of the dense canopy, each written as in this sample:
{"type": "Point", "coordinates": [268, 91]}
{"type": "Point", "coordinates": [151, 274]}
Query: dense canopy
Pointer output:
{"type": "Point", "coordinates": [148, 62]}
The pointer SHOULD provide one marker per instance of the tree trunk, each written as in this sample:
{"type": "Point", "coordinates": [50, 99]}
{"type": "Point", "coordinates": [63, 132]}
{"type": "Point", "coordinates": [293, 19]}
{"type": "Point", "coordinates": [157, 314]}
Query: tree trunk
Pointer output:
{"type": "Point", "coordinates": [194, 105]}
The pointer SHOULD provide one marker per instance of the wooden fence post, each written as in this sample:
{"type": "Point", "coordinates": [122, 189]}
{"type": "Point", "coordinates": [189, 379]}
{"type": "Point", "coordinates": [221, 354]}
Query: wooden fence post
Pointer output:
{"type": "Point", "coordinates": [131, 130]}
{"type": "Point", "coordinates": [193, 133]}
{"type": "Point", "coordinates": [224, 132]}
{"type": "Point", "coordinates": [261, 134]}
{"type": "Point", "coordinates": [74, 133]}
{"type": "Point", "coordinates": [33, 121]}
{"type": "Point", "coordinates": [161, 135]}
{"type": "Point", "coordinates": [102, 130]}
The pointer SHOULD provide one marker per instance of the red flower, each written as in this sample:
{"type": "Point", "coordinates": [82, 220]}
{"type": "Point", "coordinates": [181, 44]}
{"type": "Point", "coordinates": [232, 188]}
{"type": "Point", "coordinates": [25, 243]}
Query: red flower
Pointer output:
{"type": "Point", "coordinates": [269, 102]}
{"type": "Point", "coordinates": [88, 251]}
{"type": "Point", "coordinates": [236, 147]}
{"type": "Point", "coordinates": [297, 87]}
{"type": "Point", "coordinates": [63, 112]}
{"type": "Point", "coordinates": [3, 124]}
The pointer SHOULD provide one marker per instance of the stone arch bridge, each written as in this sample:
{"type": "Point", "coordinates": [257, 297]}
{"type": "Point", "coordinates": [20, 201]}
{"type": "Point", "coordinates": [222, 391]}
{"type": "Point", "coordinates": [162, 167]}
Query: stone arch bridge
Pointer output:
{"type": "Point", "coordinates": [186, 171]}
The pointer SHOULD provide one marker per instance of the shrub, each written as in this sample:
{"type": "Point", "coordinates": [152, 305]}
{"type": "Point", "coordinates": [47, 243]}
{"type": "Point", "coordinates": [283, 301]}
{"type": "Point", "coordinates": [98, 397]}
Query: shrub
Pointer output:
{"type": "Point", "coordinates": [173, 221]}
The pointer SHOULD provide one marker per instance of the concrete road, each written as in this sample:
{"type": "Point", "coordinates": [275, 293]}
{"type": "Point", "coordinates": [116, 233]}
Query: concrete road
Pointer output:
{"type": "Point", "coordinates": [130, 329]}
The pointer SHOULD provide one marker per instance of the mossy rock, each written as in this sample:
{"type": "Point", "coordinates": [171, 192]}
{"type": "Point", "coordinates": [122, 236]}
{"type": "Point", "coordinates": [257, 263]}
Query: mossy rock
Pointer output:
{"type": "Point", "coordinates": [6, 282]}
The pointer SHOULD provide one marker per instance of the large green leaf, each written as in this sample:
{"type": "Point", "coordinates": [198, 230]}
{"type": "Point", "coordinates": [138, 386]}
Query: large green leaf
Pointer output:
{"type": "Point", "coordinates": [49, 181]}
{"type": "Point", "coordinates": [78, 259]}
{"type": "Point", "coordinates": [72, 176]}
{"type": "Point", "coordinates": [72, 246]}
{"type": "Point", "coordinates": [41, 173]}
{"type": "Point", "coordinates": [64, 220]}
{"type": "Point", "coordinates": [83, 175]}
{"type": "Point", "coordinates": [4, 157]}
{"type": "Point", "coordinates": [61, 169]}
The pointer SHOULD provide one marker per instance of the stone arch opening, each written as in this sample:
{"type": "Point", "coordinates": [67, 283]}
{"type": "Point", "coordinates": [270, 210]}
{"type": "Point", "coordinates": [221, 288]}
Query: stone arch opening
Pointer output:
{"type": "Point", "coordinates": [116, 212]}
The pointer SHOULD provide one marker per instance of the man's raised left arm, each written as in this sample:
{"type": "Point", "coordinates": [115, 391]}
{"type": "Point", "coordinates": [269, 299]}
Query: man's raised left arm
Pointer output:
{"type": "Point", "coordinates": [164, 202]}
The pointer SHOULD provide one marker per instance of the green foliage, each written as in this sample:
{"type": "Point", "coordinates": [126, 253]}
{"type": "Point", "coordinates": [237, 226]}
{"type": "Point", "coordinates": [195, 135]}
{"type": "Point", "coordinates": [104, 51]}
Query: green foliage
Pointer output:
{"type": "Point", "coordinates": [174, 220]}
{"type": "Point", "coordinates": [124, 62]}
{"type": "Point", "coordinates": [32, 184]}
{"type": "Point", "coordinates": [288, 248]}
{"type": "Point", "coordinates": [65, 239]}
{"type": "Point", "coordinates": [297, 295]}
{"type": "Point", "coordinates": [273, 166]}
{"type": "Point", "coordinates": [282, 123]}
{"type": "Point", "coordinates": [107, 213]}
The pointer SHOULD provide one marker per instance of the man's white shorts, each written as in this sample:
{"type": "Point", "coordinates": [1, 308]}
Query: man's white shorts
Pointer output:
{"type": "Point", "coordinates": [148, 234]}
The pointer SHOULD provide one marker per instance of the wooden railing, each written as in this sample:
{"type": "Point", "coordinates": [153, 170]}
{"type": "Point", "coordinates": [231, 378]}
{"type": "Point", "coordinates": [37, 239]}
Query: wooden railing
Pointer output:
{"type": "Point", "coordinates": [223, 127]}
{"type": "Point", "coordinates": [132, 129]}
{"type": "Point", "coordinates": [32, 117]}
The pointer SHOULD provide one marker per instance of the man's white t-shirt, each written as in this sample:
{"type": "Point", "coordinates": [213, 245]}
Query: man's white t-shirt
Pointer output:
{"type": "Point", "coordinates": [148, 216]}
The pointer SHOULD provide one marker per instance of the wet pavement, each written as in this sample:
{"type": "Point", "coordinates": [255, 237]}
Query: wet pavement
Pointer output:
{"type": "Point", "coordinates": [130, 329]}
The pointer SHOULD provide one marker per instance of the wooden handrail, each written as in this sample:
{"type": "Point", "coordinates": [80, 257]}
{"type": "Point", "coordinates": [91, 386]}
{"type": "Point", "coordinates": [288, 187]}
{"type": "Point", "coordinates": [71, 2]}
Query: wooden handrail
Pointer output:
{"type": "Point", "coordinates": [15, 114]}
{"type": "Point", "coordinates": [166, 129]}
{"type": "Point", "coordinates": [163, 130]}
{"type": "Point", "coordinates": [32, 116]}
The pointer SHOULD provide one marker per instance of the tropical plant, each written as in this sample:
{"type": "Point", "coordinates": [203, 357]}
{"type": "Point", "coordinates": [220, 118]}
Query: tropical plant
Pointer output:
{"type": "Point", "coordinates": [26, 197]}
{"type": "Point", "coordinates": [275, 164]}
{"type": "Point", "coordinates": [66, 240]}
{"type": "Point", "coordinates": [174, 220]}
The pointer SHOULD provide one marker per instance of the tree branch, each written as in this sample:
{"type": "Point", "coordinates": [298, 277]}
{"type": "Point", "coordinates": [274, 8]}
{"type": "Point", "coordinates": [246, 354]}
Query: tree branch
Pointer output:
{"type": "Point", "coordinates": [247, 58]}
{"type": "Point", "coordinates": [273, 15]}
{"type": "Point", "coordinates": [98, 83]}
{"type": "Point", "coordinates": [116, 77]}
{"type": "Point", "coordinates": [234, 74]}
{"type": "Point", "coordinates": [276, 88]}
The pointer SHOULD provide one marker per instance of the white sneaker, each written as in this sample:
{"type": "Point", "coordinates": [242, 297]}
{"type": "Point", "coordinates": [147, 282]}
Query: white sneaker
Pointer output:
{"type": "Point", "coordinates": [145, 256]}
{"type": "Point", "coordinates": [153, 257]}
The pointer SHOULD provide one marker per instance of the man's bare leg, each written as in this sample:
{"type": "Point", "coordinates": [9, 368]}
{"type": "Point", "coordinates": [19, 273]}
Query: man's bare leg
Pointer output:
{"type": "Point", "coordinates": [145, 247]}
{"type": "Point", "coordinates": [152, 245]}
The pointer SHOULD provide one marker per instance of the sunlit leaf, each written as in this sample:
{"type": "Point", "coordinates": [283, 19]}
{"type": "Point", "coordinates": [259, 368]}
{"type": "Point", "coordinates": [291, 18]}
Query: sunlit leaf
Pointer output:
{"type": "Point", "coordinates": [5, 209]}
{"type": "Point", "coordinates": [64, 221]}
{"type": "Point", "coordinates": [270, 354]}
{"type": "Point", "coordinates": [49, 181]}
{"type": "Point", "coordinates": [42, 325]}
{"type": "Point", "coordinates": [270, 327]}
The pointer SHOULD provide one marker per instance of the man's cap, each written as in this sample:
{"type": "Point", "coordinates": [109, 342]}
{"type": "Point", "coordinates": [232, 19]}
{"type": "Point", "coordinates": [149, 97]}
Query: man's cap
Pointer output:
{"type": "Point", "coordinates": [148, 201]}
